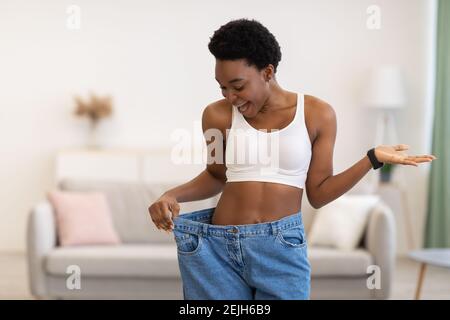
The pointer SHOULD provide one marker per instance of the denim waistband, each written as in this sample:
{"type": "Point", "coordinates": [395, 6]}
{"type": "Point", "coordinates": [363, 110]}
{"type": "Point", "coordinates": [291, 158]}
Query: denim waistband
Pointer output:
{"type": "Point", "coordinates": [195, 222]}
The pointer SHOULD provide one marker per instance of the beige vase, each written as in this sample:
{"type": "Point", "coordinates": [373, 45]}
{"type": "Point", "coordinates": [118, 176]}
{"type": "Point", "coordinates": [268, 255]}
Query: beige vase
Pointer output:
{"type": "Point", "coordinates": [93, 140]}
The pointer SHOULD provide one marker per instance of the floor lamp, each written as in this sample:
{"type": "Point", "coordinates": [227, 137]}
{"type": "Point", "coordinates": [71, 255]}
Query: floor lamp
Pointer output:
{"type": "Point", "coordinates": [386, 93]}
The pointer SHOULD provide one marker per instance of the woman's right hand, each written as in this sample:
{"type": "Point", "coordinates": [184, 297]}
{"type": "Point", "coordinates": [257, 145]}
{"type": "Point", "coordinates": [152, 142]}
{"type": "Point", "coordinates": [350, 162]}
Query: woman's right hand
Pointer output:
{"type": "Point", "coordinates": [163, 211]}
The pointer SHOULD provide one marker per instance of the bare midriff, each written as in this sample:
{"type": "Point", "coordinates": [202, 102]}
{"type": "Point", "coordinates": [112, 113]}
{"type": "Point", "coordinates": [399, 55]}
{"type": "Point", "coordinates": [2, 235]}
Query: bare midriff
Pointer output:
{"type": "Point", "coordinates": [251, 202]}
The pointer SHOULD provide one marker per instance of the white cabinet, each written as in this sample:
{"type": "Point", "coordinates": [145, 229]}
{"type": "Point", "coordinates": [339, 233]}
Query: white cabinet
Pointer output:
{"type": "Point", "coordinates": [395, 196]}
{"type": "Point", "coordinates": [123, 164]}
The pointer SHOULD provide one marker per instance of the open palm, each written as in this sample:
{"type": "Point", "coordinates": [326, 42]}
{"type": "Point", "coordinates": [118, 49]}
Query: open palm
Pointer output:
{"type": "Point", "coordinates": [395, 155]}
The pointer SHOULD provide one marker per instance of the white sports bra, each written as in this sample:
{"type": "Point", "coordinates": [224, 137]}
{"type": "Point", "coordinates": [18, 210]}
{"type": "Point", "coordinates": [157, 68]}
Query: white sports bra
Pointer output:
{"type": "Point", "coordinates": [278, 156]}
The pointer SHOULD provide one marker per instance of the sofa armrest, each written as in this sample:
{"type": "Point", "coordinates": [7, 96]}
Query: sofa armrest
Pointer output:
{"type": "Point", "coordinates": [41, 239]}
{"type": "Point", "coordinates": [380, 241]}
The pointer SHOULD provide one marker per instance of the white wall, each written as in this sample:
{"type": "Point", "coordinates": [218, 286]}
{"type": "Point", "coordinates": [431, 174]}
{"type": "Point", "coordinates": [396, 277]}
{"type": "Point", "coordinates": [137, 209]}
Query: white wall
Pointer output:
{"type": "Point", "coordinates": [152, 57]}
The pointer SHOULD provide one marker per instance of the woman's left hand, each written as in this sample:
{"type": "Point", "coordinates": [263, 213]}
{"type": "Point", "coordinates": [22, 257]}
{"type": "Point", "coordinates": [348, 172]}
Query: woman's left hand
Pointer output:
{"type": "Point", "coordinates": [394, 155]}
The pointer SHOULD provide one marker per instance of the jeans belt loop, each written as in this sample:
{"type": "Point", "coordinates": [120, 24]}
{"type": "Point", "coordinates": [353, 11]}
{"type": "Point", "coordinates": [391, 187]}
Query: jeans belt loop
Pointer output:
{"type": "Point", "coordinates": [274, 228]}
{"type": "Point", "coordinates": [205, 230]}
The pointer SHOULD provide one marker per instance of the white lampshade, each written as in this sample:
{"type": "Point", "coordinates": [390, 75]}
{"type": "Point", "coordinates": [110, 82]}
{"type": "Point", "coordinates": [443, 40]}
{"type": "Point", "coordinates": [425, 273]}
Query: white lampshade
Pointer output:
{"type": "Point", "coordinates": [386, 88]}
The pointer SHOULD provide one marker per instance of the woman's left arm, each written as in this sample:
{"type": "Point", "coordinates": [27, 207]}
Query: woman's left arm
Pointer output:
{"type": "Point", "coordinates": [322, 186]}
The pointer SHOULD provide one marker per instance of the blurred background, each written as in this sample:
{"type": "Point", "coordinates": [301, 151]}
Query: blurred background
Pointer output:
{"type": "Point", "coordinates": [146, 67]}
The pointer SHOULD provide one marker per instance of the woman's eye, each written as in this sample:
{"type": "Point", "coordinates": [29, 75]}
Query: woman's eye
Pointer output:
{"type": "Point", "coordinates": [237, 89]}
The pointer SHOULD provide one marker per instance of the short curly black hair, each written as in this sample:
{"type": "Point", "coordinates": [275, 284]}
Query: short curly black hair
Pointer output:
{"type": "Point", "coordinates": [246, 39]}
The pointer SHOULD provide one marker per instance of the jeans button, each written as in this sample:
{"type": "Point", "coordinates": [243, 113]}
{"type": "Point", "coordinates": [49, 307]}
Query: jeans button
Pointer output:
{"type": "Point", "coordinates": [234, 230]}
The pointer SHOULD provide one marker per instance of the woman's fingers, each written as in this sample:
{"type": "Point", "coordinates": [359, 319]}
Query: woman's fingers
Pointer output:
{"type": "Point", "coordinates": [414, 160]}
{"type": "Point", "coordinates": [411, 163]}
{"type": "Point", "coordinates": [167, 226]}
{"type": "Point", "coordinates": [401, 147]}
{"type": "Point", "coordinates": [159, 225]}
{"type": "Point", "coordinates": [156, 224]}
{"type": "Point", "coordinates": [163, 225]}
{"type": "Point", "coordinates": [161, 219]}
{"type": "Point", "coordinates": [164, 211]}
{"type": "Point", "coordinates": [426, 156]}
{"type": "Point", "coordinates": [423, 160]}
{"type": "Point", "coordinates": [403, 160]}
{"type": "Point", "coordinates": [167, 218]}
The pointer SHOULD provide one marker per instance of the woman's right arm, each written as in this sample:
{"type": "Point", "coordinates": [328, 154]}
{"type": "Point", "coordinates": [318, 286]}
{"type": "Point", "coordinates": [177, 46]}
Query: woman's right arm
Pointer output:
{"type": "Point", "coordinates": [207, 184]}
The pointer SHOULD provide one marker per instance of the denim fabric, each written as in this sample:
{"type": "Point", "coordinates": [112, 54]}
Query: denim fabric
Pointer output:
{"type": "Point", "coordinates": [242, 262]}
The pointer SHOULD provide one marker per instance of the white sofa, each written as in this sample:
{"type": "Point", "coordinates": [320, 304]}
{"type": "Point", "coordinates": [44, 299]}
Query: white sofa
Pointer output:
{"type": "Point", "coordinates": [145, 265]}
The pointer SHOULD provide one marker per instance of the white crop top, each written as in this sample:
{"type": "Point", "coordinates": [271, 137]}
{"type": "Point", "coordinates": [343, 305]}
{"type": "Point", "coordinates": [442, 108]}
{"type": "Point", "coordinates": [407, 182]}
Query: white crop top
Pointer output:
{"type": "Point", "coordinates": [278, 156]}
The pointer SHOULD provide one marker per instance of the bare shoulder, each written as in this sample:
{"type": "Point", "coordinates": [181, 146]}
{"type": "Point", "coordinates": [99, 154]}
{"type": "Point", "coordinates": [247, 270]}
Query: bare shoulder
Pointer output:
{"type": "Point", "coordinates": [318, 107]}
{"type": "Point", "coordinates": [217, 115]}
{"type": "Point", "coordinates": [318, 114]}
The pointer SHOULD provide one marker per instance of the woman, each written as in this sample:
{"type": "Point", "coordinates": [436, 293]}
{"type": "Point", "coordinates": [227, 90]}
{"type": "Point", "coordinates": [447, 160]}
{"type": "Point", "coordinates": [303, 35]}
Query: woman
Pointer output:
{"type": "Point", "coordinates": [252, 244]}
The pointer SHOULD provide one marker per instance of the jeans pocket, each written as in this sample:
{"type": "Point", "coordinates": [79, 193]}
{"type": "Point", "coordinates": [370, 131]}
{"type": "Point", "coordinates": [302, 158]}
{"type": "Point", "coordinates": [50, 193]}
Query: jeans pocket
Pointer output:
{"type": "Point", "coordinates": [292, 237]}
{"type": "Point", "coordinates": [187, 243]}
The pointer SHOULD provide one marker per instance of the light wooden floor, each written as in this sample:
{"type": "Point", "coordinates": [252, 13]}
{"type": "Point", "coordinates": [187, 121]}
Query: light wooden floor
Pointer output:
{"type": "Point", "coordinates": [14, 279]}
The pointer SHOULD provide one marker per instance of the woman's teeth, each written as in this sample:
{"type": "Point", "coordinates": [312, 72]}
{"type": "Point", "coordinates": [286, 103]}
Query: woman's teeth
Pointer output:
{"type": "Point", "coordinates": [243, 107]}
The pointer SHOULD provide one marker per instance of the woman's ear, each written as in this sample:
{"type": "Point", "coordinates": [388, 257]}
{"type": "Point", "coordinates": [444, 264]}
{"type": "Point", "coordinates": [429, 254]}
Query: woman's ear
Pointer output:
{"type": "Point", "coordinates": [268, 73]}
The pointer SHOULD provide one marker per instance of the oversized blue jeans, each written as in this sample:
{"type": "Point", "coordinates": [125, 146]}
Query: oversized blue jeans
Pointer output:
{"type": "Point", "coordinates": [242, 262]}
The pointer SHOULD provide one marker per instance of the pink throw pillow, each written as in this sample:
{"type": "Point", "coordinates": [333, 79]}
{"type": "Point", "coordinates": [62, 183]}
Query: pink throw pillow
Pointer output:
{"type": "Point", "coordinates": [83, 218]}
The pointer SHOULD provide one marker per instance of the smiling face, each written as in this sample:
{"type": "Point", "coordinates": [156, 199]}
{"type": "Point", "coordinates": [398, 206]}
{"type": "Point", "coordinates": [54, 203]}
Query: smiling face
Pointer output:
{"type": "Point", "coordinates": [244, 86]}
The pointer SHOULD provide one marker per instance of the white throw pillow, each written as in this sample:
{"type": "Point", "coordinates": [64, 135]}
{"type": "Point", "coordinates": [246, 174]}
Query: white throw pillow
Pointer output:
{"type": "Point", "coordinates": [341, 223]}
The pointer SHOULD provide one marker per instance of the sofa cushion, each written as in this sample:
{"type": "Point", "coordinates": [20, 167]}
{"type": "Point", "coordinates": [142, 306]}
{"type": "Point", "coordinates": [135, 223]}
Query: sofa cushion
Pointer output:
{"type": "Point", "coordinates": [328, 262]}
{"type": "Point", "coordinates": [341, 223]}
{"type": "Point", "coordinates": [127, 260]}
{"type": "Point", "coordinates": [129, 203]}
{"type": "Point", "coordinates": [83, 218]}
{"type": "Point", "coordinates": [160, 260]}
